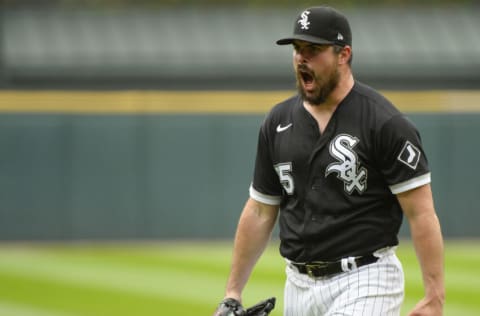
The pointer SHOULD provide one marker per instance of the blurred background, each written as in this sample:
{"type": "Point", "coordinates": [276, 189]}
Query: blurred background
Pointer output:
{"type": "Point", "coordinates": [119, 118]}
{"type": "Point", "coordinates": [219, 44]}
{"type": "Point", "coordinates": [126, 120]}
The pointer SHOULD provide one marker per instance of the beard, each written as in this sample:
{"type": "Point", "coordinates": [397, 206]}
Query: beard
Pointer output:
{"type": "Point", "coordinates": [323, 85]}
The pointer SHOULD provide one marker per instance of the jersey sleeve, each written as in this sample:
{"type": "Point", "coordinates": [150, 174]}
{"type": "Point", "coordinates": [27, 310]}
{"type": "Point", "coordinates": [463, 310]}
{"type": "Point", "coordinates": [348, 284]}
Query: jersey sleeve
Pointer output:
{"type": "Point", "coordinates": [265, 187]}
{"type": "Point", "coordinates": [402, 159]}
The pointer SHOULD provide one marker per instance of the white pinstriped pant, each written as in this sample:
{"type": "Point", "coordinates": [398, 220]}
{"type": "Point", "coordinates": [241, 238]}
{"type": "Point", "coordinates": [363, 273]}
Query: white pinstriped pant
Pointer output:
{"type": "Point", "coordinates": [376, 289]}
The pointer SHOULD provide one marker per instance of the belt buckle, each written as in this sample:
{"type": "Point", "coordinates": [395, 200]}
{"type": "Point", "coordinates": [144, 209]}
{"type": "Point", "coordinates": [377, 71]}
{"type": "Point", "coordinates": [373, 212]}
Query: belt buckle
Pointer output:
{"type": "Point", "coordinates": [311, 267]}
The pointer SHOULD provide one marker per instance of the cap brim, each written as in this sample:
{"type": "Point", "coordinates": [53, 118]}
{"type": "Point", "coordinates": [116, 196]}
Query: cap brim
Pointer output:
{"type": "Point", "coordinates": [303, 37]}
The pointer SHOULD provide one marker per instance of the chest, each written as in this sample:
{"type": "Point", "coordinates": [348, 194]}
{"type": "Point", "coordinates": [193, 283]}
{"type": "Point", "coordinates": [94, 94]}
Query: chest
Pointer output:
{"type": "Point", "coordinates": [327, 148]}
{"type": "Point", "coordinates": [322, 119]}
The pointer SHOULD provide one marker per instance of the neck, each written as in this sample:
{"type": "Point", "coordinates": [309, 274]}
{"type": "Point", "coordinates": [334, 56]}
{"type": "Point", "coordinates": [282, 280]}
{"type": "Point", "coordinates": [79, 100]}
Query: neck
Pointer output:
{"type": "Point", "coordinates": [343, 88]}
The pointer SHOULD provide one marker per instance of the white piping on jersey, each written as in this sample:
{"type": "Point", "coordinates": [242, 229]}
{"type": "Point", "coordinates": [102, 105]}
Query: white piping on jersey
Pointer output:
{"type": "Point", "coordinates": [410, 184]}
{"type": "Point", "coordinates": [264, 198]}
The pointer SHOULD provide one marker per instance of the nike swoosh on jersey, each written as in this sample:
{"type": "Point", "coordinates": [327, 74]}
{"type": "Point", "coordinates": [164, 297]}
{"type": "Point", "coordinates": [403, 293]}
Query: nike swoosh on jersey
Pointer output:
{"type": "Point", "coordinates": [281, 128]}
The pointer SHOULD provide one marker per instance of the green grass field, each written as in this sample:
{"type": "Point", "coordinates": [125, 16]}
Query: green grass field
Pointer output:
{"type": "Point", "coordinates": [178, 278]}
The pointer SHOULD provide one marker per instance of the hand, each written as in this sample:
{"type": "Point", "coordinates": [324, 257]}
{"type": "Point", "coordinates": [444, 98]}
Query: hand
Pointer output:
{"type": "Point", "coordinates": [229, 307]}
{"type": "Point", "coordinates": [428, 307]}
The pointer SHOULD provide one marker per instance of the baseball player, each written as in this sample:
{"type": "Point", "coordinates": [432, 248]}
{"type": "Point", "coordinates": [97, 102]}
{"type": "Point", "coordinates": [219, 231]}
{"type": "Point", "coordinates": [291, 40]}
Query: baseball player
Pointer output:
{"type": "Point", "coordinates": [340, 166]}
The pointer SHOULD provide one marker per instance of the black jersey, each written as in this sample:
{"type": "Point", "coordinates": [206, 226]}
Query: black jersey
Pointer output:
{"type": "Point", "coordinates": [336, 190]}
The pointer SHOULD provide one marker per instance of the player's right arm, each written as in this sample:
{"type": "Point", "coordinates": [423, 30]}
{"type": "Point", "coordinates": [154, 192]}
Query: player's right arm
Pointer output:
{"type": "Point", "coordinates": [253, 233]}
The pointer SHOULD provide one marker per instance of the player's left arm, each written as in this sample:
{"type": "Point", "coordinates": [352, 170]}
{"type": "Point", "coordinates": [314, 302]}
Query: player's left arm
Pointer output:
{"type": "Point", "coordinates": [417, 205]}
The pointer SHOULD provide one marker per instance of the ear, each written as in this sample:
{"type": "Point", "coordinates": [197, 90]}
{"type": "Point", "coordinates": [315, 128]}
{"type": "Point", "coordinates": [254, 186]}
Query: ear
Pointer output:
{"type": "Point", "coordinates": [344, 55]}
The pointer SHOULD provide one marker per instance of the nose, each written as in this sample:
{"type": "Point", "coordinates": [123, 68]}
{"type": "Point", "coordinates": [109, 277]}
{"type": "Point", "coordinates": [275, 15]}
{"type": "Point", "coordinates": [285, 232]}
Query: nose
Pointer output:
{"type": "Point", "coordinates": [303, 53]}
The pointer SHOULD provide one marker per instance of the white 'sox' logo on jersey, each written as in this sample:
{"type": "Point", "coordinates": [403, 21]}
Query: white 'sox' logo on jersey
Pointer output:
{"type": "Point", "coordinates": [348, 168]}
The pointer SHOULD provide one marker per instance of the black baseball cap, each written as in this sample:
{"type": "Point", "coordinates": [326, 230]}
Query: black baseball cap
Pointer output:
{"type": "Point", "coordinates": [320, 25]}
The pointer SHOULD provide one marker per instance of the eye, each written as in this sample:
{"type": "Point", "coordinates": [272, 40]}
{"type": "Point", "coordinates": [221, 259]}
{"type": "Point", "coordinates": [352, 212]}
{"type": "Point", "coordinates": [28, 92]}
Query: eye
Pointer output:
{"type": "Point", "coordinates": [318, 48]}
{"type": "Point", "coordinates": [314, 49]}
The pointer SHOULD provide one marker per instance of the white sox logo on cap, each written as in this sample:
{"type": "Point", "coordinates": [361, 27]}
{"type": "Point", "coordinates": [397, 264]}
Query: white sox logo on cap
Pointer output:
{"type": "Point", "coordinates": [304, 20]}
{"type": "Point", "coordinates": [320, 25]}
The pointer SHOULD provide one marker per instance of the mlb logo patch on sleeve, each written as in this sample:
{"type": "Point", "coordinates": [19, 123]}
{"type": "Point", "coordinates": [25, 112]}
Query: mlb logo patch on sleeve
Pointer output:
{"type": "Point", "coordinates": [410, 155]}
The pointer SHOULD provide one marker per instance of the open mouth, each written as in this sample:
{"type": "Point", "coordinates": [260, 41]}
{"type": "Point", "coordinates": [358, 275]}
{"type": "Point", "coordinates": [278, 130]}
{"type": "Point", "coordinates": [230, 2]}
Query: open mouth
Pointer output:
{"type": "Point", "coordinates": [307, 77]}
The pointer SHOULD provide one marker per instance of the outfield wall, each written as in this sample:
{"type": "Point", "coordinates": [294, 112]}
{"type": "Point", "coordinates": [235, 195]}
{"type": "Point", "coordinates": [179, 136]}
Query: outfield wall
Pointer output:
{"type": "Point", "coordinates": [155, 165]}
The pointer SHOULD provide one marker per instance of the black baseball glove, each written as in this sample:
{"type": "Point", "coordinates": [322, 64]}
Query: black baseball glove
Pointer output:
{"type": "Point", "coordinates": [232, 307]}
{"type": "Point", "coordinates": [261, 309]}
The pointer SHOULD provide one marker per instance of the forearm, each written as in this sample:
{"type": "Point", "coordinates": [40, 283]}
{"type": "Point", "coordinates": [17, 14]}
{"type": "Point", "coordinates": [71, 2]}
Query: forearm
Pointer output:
{"type": "Point", "coordinates": [252, 236]}
{"type": "Point", "coordinates": [417, 205]}
{"type": "Point", "coordinates": [428, 243]}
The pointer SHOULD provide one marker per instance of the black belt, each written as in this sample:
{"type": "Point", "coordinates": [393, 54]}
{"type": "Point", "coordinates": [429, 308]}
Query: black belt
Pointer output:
{"type": "Point", "coordinates": [322, 269]}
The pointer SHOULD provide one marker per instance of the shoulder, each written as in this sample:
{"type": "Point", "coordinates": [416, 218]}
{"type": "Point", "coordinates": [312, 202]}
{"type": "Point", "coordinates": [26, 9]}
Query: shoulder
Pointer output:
{"type": "Point", "coordinates": [373, 105]}
{"type": "Point", "coordinates": [281, 112]}
{"type": "Point", "coordinates": [284, 108]}
{"type": "Point", "coordinates": [374, 99]}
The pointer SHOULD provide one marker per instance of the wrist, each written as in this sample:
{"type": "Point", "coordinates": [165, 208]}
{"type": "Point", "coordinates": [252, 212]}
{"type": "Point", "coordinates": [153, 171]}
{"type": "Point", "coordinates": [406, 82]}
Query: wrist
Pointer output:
{"type": "Point", "coordinates": [235, 295]}
{"type": "Point", "coordinates": [436, 296]}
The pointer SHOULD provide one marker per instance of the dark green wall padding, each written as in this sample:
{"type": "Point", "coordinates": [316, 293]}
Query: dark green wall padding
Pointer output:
{"type": "Point", "coordinates": [163, 176]}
